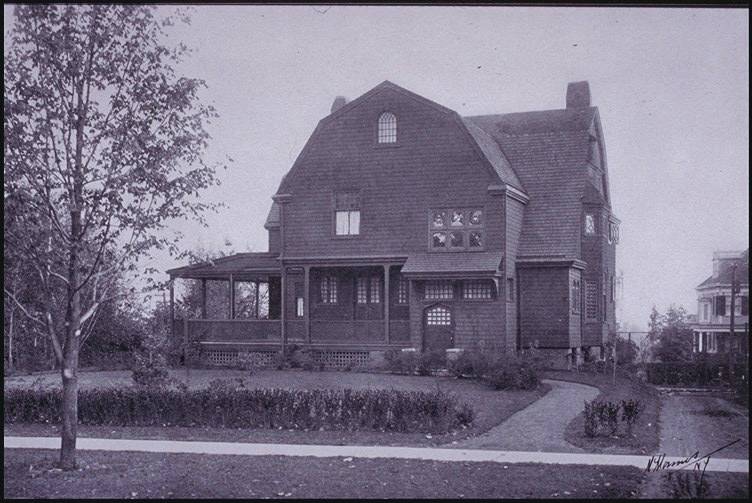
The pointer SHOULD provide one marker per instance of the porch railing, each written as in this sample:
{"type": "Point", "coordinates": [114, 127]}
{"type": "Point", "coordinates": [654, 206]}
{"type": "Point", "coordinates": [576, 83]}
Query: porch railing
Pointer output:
{"type": "Point", "coordinates": [234, 330]}
{"type": "Point", "coordinates": [371, 331]}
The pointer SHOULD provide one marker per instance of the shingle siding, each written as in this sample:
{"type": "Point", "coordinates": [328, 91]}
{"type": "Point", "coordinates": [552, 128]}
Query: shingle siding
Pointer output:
{"type": "Point", "coordinates": [544, 305]}
{"type": "Point", "coordinates": [433, 165]}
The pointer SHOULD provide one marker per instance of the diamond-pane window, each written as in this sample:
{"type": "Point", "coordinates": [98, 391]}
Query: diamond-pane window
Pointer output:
{"type": "Point", "coordinates": [591, 300]}
{"type": "Point", "coordinates": [476, 240]}
{"type": "Point", "coordinates": [387, 128]}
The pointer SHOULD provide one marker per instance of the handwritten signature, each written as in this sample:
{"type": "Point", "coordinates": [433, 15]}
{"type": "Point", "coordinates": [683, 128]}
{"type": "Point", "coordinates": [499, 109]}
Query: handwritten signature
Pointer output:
{"type": "Point", "coordinates": [659, 462]}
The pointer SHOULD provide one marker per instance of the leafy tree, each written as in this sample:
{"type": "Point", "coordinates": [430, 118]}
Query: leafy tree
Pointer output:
{"type": "Point", "coordinates": [671, 335]}
{"type": "Point", "coordinates": [103, 147]}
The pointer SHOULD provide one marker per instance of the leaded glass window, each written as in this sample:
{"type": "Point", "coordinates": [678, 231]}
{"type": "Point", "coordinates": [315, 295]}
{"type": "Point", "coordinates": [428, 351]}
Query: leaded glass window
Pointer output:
{"type": "Point", "coordinates": [456, 229]}
{"type": "Point", "coordinates": [387, 128]}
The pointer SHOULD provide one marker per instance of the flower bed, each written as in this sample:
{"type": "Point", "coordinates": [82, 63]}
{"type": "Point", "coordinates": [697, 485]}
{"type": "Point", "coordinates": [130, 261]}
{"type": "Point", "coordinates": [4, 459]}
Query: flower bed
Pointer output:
{"type": "Point", "coordinates": [223, 406]}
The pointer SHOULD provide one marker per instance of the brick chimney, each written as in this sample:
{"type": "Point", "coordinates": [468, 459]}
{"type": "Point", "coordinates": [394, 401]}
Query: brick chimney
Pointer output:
{"type": "Point", "coordinates": [578, 94]}
{"type": "Point", "coordinates": [339, 102]}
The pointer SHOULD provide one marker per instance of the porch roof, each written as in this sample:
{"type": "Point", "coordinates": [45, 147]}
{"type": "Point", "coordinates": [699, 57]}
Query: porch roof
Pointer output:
{"type": "Point", "coordinates": [240, 265]}
{"type": "Point", "coordinates": [453, 264]}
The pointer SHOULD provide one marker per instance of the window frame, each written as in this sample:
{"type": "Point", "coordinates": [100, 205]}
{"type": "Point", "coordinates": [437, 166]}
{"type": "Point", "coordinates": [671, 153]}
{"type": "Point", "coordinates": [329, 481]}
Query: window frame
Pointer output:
{"type": "Point", "coordinates": [403, 288]}
{"type": "Point", "coordinates": [591, 286]}
{"type": "Point", "coordinates": [328, 280]}
{"type": "Point", "coordinates": [438, 282]}
{"type": "Point", "coordinates": [357, 196]}
{"type": "Point", "coordinates": [576, 296]}
{"type": "Point", "coordinates": [377, 131]}
{"type": "Point", "coordinates": [591, 217]}
{"type": "Point", "coordinates": [469, 284]}
{"type": "Point", "coordinates": [465, 229]}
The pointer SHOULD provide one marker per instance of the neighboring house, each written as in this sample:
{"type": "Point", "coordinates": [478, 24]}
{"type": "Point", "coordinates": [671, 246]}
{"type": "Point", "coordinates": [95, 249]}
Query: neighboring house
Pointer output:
{"type": "Point", "coordinates": [713, 325]}
{"type": "Point", "coordinates": [404, 225]}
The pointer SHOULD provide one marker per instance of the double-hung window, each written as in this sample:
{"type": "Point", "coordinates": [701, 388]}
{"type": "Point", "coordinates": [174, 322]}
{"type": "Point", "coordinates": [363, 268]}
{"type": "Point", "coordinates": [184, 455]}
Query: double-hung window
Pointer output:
{"type": "Point", "coordinates": [347, 214]}
{"type": "Point", "coordinates": [329, 290]}
{"type": "Point", "coordinates": [368, 289]}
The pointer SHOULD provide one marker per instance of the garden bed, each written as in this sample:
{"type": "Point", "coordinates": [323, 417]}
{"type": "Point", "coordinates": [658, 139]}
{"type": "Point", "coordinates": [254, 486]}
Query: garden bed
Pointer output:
{"type": "Point", "coordinates": [645, 433]}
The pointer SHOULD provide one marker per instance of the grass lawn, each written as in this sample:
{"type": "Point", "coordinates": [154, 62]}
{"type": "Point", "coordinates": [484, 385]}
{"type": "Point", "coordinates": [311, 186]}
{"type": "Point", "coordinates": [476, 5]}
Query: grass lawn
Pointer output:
{"type": "Point", "coordinates": [147, 475]}
{"type": "Point", "coordinates": [491, 407]}
{"type": "Point", "coordinates": [645, 433]}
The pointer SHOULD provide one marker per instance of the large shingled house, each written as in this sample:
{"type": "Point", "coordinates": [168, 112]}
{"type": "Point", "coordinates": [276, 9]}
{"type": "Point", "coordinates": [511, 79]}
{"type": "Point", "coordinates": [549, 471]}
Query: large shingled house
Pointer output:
{"type": "Point", "coordinates": [404, 225]}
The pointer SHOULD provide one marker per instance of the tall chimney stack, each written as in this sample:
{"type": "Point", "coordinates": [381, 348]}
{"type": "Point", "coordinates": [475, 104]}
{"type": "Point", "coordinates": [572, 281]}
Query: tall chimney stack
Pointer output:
{"type": "Point", "coordinates": [339, 102]}
{"type": "Point", "coordinates": [578, 94]}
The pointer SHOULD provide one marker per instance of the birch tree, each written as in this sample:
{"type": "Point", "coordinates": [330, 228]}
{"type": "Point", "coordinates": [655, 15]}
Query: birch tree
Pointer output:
{"type": "Point", "coordinates": [104, 146]}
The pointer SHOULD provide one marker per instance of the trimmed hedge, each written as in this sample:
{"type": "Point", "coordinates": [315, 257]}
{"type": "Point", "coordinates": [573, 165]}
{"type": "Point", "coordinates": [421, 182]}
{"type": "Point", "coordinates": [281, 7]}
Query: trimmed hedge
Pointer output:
{"type": "Point", "coordinates": [689, 374]}
{"type": "Point", "coordinates": [223, 406]}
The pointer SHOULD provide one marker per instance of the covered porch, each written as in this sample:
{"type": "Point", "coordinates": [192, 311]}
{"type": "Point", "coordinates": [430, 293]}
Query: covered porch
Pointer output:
{"type": "Point", "coordinates": [234, 300]}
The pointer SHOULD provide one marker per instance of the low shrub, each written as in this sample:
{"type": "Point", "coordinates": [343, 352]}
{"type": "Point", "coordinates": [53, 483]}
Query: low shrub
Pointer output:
{"type": "Point", "coordinates": [630, 411]}
{"type": "Point", "coordinates": [591, 419]}
{"type": "Point", "coordinates": [401, 362]}
{"type": "Point", "coordinates": [471, 363]}
{"type": "Point", "coordinates": [603, 416]}
{"type": "Point", "coordinates": [512, 373]}
{"type": "Point", "coordinates": [429, 361]}
{"type": "Point", "coordinates": [150, 370]}
{"type": "Point", "coordinates": [226, 405]}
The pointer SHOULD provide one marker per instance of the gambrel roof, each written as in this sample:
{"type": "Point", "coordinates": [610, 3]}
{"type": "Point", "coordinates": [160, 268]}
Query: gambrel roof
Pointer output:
{"type": "Point", "coordinates": [548, 150]}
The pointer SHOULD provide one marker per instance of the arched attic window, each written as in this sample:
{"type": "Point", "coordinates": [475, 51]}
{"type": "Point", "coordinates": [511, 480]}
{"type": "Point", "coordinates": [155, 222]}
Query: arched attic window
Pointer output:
{"type": "Point", "coordinates": [387, 128]}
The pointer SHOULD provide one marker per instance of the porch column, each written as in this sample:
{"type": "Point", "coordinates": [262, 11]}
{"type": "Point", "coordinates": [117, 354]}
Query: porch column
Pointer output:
{"type": "Point", "coordinates": [232, 297]}
{"type": "Point", "coordinates": [306, 304]}
{"type": "Point", "coordinates": [172, 309]}
{"type": "Point", "coordinates": [386, 303]}
{"type": "Point", "coordinates": [282, 307]}
{"type": "Point", "coordinates": [203, 298]}
{"type": "Point", "coordinates": [256, 295]}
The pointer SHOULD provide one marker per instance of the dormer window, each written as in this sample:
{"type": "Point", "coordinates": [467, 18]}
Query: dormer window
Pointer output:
{"type": "Point", "coordinates": [387, 128]}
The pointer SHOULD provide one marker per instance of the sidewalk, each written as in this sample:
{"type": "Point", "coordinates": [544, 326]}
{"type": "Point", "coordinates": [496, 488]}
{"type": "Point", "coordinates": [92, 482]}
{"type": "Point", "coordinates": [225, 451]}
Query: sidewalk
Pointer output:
{"type": "Point", "coordinates": [356, 451]}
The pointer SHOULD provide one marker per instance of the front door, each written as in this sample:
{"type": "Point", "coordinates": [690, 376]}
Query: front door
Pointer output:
{"type": "Point", "coordinates": [438, 328]}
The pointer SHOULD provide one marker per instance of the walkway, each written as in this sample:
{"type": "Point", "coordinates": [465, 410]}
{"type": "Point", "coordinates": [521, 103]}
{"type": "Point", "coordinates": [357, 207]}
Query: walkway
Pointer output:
{"type": "Point", "coordinates": [539, 426]}
{"type": "Point", "coordinates": [357, 451]}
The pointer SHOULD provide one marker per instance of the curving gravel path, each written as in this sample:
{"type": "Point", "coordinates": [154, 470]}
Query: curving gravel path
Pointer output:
{"type": "Point", "coordinates": [540, 426]}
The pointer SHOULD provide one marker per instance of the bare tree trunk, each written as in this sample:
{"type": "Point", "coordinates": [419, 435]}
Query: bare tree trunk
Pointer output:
{"type": "Point", "coordinates": [70, 353]}
{"type": "Point", "coordinates": [10, 338]}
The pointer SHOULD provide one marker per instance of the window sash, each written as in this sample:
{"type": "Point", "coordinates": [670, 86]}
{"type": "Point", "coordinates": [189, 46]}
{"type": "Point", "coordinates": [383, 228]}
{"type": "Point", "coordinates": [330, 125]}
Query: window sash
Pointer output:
{"type": "Point", "coordinates": [591, 300]}
{"type": "Point", "coordinates": [456, 228]}
{"type": "Point", "coordinates": [375, 290]}
{"type": "Point", "coordinates": [361, 288]}
{"type": "Point", "coordinates": [387, 128]}
{"type": "Point", "coordinates": [438, 290]}
{"type": "Point", "coordinates": [347, 222]}
{"type": "Point", "coordinates": [477, 289]}
{"type": "Point", "coordinates": [589, 224]}
{"type": "Point", "coordinates": [402, 291]}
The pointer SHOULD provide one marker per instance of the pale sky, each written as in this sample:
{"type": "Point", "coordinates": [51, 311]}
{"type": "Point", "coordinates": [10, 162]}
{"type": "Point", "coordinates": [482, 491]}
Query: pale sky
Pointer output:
{"type": "Point", "coordinates": [671, 86]}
